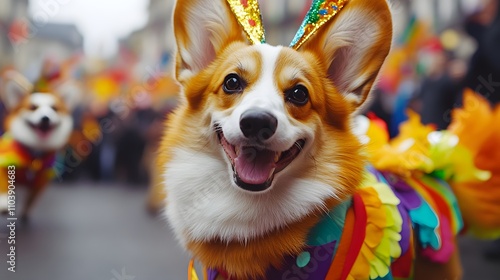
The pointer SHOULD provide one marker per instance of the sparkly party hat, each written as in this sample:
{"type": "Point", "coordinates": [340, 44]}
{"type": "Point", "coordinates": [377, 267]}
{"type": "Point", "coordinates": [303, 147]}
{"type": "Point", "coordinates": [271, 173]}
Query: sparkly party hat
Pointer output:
{"type": "Point", "coordinates": [321, 12]}
{"type": "Point", "coordinates": [247, 13]}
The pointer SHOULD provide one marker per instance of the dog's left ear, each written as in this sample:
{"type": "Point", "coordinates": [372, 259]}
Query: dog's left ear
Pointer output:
{"type": "Point", "coordinates": [353, 47]}
{"type": "Point", "coordinates": [70, 92]}
{"type": "Point", "coordinates": [202, 29]}
{"type": "Point", "coordinates": [14, 86]}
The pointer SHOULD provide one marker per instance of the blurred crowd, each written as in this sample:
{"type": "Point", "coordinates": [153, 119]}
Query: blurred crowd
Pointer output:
{"type": "Point", "coordinates": [116, 134]}
{"type": "Point", "coordinates": [428, 71]}
{"type": "Point", "coordinates": [117, 124]}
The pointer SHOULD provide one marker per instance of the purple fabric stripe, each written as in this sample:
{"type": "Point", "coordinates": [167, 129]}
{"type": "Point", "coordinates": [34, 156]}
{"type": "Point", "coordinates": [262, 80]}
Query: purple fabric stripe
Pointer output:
{"type": "Point", "coordinates": [408, 196]}
{"type": "Point", "coordinates": [212, 274]}
{"type": "Point", "coordinates": [317, 268]}
{"type": "Point", "coordinates": [49, 161]}
{"type": "Point", "coordinates": [404, 243]}
{"type": "Point", "coordinates": [409, 200]}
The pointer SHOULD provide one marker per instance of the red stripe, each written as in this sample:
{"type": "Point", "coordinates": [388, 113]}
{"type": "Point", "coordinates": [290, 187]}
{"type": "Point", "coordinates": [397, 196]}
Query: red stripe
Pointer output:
{"type": "Point", "coordinates": [402, 267]}
{"type": "Point", "coordinates": [440, 202]}
{"type": "Point", "coordinates": [22, 152]}
{"type": "Point", "coordinates": [358, 237]}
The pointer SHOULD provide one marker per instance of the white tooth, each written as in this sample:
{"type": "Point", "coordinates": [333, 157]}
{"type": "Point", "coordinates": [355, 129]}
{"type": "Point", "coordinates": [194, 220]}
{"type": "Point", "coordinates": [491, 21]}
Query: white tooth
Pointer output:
{"type": "Point", "coordinates": [237, 151]}
{"type": "Point", "coordinates": [272, 172]}
{"type": "Point", "coordinates": [277, 157]}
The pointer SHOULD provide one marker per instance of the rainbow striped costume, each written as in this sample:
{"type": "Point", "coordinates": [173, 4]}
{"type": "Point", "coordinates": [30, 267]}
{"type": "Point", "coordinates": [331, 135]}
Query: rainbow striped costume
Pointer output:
{"type": "Point", "coordinates": [408, 197]}
{"type": "Point", "coordinates": [370, 236]}
{"type": "Point", "coordinates": [31, 168]}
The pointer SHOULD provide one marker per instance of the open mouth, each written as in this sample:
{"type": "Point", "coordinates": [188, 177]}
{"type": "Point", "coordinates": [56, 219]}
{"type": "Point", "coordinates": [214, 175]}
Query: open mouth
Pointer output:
{"type": "Point", "coordinates": [254, 167]}
{"type": "Point", "coordinates": [43, 129]}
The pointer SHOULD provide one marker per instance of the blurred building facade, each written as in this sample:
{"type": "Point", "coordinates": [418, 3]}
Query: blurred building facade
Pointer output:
{"type": "Point", "coordinates": [282, 19]}
{"type": "Point", "coordinates": [25, 43]}
{"type": "Point", "coordinates": [11, 13]}
{"type": "Point", "coordinates": [56, 41]}
{"type": "Point", "coordinates": [154, 43]}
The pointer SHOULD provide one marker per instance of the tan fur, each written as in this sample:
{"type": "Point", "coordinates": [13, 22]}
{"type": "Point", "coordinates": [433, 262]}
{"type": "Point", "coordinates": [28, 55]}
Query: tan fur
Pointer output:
{"type": "Point", "coordinates": [251, 259]}
{"type": "Point", "coordinates": [240, 260]}
{"type": "Point", "coordinates": [328, 110]}
{"type": "Point", "coordinates": [26, 105]}
{"type": "Point", "coordinates": [328, 113]}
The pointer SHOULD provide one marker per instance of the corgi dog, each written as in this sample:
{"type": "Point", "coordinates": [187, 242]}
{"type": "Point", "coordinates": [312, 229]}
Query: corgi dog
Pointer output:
{"type": "Point", "coordinates": [37, 125]}
{"type": "Point", "coordinates": [262, 169]}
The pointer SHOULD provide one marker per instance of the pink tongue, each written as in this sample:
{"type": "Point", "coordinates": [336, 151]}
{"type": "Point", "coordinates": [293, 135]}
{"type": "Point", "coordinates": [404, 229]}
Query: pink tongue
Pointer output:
{"type": "Point", "coordinates": [254, 166]}
{"type": "Point", "coordinates": [42, 133]}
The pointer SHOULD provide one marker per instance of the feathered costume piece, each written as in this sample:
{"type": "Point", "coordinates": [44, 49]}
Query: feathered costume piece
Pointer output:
{"type": "Point", "coordinates": [477, 127]}
{"type": "Point", "coordinates": [12, 153]}
{"type": "Point", "coordinates": [466, 155]}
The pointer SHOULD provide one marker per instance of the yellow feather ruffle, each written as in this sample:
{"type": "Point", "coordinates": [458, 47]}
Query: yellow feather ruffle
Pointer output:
{"type": "Point", "coordinates": [383, 228]}
{"type": "Point", "coordinates": [476, 125]}
{"type": "Point", "coordinates": [420, 149]}
{"type": "Point", "coordinates": [406, 153]}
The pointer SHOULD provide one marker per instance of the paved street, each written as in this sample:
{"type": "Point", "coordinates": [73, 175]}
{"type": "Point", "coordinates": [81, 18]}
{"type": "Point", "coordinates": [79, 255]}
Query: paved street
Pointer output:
{"type": "Point", "coordinates": [98, 232]}
{"type": "Point", "coordinates": [95, 232]}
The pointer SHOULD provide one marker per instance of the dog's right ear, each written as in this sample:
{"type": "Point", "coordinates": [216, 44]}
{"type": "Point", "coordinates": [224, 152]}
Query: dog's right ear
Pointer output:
{"type": "Point", "coordinates": [202, 29]}
{"type": "Point", "coordinates": [353, 46]}
{"type": "Point", "coordinates": [14, 87]}
{"type": "Point", "coordinates": [70, 92]}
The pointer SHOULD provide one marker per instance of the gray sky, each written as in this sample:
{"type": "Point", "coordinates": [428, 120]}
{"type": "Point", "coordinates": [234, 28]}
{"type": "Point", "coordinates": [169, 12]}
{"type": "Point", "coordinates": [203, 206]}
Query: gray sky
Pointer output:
{"type": "Point", "coordinates": [102, 22]}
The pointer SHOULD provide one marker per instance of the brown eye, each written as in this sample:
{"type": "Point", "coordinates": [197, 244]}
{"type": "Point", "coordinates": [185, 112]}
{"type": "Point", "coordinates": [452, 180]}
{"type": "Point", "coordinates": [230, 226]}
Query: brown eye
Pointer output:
{"type": "Point", "coordinates": [298, 95]}
{"type": "Point", "coordinates": [55, 108]}
{"type": "Point", "coordinates": [33, 107]}
{"type": "Point", "coordinates": [233, 84]}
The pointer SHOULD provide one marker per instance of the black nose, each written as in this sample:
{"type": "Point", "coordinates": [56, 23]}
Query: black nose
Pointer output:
{"type": "Point", "coordinates": [258, 124]}
{"type": "Point", "coordinates": [45, 120]}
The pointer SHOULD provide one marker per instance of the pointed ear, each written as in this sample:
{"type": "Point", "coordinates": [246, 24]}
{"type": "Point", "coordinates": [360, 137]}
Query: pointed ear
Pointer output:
{"type": "Point", "coordinates": [354, 46]}
{"type": "Point", "coordinates": [14, 87]}
{"type": "Point", "coordinates": [70, 92]}
{"type": "Point", "coordinates": [202, 29]}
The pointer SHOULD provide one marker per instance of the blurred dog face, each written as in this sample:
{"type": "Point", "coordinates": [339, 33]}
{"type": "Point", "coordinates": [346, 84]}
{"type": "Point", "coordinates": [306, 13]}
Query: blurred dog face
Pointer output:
{"type": "Point", "coordinates": [263, 136]}
{"type": "Point", "coordinates": [40, 121]}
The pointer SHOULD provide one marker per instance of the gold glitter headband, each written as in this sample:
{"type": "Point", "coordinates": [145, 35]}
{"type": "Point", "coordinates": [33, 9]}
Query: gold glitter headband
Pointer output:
{"type": "Point", "coordinates": [248, 15]}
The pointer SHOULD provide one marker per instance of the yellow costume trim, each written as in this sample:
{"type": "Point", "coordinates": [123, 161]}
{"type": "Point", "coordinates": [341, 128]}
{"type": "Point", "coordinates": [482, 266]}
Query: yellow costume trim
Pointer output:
{"type": "Point", "coordinates": [384, 224]}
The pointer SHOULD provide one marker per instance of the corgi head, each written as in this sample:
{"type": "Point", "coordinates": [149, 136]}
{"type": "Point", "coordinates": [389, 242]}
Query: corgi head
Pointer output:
{"type": "Point", "coordinates": [263, 136]}
{"type": "Point", "coordinates": [41, 121]}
